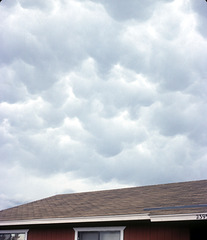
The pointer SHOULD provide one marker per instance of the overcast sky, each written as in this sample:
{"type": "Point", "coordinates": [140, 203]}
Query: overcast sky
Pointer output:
{"type": "Point", "coordinates": [101, 94]}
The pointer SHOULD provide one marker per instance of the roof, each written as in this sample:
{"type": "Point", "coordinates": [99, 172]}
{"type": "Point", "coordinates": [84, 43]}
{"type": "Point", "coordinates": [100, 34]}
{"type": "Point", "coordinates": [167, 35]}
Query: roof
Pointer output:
{"type": "Point", "coordinates": [154, 200]}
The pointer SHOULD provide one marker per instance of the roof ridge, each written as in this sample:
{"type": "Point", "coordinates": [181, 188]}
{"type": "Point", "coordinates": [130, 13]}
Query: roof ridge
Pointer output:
{"type": "Point", "coordinates": [105, 190]}
{"type": "Point", "coordinates": [127, 200]}
{"type": "Point", "coordinates": [132, 187]}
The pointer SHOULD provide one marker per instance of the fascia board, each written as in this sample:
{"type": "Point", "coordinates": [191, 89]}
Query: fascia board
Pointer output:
{"type": "Point", "coordinates": [112, 218]}
{"type": "Point", "coordinates": [178, 217]}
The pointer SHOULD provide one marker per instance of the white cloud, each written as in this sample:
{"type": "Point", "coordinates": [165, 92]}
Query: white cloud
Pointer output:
{"type": "Point", "coordinates": [99, 94]}
{"type": "Point", "coordinates": [28, 185]}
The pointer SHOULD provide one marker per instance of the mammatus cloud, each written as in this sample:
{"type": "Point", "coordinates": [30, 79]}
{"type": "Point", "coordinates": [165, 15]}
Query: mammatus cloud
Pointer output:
{"type": "Point", "coordinates": [200, 9]}
{"type": "Point", "coordinates": [96, 96]}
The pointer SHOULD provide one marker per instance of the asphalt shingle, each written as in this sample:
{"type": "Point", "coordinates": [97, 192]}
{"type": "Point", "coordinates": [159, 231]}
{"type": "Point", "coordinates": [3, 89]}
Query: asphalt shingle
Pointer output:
{"type": "Point", "coordinates": [174, 198]}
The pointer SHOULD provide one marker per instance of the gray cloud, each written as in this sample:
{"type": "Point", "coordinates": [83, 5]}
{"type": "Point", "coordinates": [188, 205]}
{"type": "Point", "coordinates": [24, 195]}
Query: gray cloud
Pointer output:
{"type": "Point", "coordinates": [122, 10]}
{"type": "Point", "coordinates": [99, 95]}
{"type": "Point", "coordinates": [40, 5]}
{"type": "Point", "coordinates": [200, 8]}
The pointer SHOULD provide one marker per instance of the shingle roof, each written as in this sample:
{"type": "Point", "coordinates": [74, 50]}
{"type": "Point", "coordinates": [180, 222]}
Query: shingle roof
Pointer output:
{"type": "Point", "coordinates": [174, 198]}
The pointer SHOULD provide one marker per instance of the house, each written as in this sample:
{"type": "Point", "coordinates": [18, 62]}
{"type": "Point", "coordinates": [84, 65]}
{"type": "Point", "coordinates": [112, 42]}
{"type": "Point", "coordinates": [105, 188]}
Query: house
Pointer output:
{"type": "Point", "coordinates": [175, 211]}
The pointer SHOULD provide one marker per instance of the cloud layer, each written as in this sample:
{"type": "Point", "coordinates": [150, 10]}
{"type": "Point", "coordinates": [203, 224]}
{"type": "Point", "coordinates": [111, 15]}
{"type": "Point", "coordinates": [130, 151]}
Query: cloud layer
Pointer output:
{"type": "Point", "coordinates": [100, 95]}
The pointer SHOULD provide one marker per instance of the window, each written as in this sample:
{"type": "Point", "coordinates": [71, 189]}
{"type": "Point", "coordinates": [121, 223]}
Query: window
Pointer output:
{"type": "Point", "coordinates": [13, 235]}
{"type": "Point", "coordinates": [104, 233]}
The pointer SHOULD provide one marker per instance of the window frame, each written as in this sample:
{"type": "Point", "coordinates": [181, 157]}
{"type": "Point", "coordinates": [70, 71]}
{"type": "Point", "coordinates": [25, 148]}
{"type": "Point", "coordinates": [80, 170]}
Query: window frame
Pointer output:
{"type": "Point", "coordinates": [23, 231]}
{"type": "Point", "coordinates": [100, 229]}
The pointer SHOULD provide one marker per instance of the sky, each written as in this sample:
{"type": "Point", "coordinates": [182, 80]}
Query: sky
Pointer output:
{"type": "Point", "coordinates": [100, 95]}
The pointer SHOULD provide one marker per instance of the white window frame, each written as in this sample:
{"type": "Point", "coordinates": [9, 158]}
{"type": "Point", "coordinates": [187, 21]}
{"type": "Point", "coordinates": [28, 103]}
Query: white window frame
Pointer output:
{"type": "Point", "coordinates": [100, 229]}
{"type": "Point", "coordinates": [24, 231]}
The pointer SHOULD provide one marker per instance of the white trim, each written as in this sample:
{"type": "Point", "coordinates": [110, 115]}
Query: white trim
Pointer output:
{"type": "Point", "coordinates": [112, 218]}
{"type": "Point", "coordinates": [25, 231]}
{"type": "Point", "coordinates": [100, 229]}
{"type": "Point", "coordinates": [177, 217]}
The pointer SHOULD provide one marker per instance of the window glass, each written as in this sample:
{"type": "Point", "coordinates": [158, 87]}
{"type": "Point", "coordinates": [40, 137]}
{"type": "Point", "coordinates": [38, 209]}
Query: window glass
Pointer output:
{"type": "Point", "coordinates": [12, 236]}
{"type": "Point", "coordinates": [99, 233]}
{"type": "Point", "coordinates": [88, 236]}
{"type": "Point", "coordinates": [115, 235]}
{"type": "Point", "coordinates": [110, 236]}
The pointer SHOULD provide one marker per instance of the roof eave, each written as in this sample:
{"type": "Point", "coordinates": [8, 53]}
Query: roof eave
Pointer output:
{"type": "Point", "coordinates": [112, 218]}
{"type": "Point", "coordinates": [178, 217]}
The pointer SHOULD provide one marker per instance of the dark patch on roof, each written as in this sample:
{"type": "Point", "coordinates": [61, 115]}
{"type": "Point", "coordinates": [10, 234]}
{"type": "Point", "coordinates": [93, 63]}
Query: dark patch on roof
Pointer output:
{"type": "Point", "coordinates": [176, 207]}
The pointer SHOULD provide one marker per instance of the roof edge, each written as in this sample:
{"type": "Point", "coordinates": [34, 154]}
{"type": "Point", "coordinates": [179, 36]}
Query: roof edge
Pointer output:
{"type": "Point", "coordinates": [178, 217]}
{"type": "Point", "coordinates": [111, 218]}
